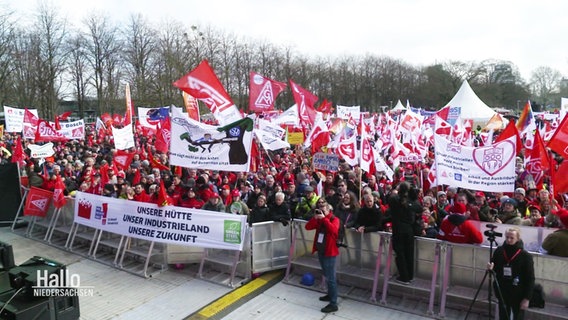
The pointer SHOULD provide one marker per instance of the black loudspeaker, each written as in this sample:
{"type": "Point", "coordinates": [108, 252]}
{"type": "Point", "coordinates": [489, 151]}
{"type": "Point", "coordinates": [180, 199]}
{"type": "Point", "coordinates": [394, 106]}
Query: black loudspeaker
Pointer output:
{"type": "Point", "coordinates": [6, 257]}
{"type": "Point", "coordinates": [10, 196]}
{"type": "Point", "coordinates": [54, 308]}
{"type": "Point", "coordinates": [17, 298]}
{"type": "Point", "coordinates": [26, 275]}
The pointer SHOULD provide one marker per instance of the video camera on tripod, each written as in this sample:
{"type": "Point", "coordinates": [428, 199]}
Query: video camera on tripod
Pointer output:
{"type": "Point", "coordinates": [491, 234]}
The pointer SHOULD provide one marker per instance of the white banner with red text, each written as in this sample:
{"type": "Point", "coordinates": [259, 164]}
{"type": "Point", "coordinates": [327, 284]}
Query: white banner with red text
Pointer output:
{"type": "Point", "coordinates": [169, 224]}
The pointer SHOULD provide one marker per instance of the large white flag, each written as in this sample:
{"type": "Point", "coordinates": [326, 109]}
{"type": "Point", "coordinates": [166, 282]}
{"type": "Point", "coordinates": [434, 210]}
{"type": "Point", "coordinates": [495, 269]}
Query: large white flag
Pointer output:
{"type": "Point", "coordinates": [198, 145]}
{"type": "Point", "coordinates": [269, 141]}
{"type": "Point", "coordinates": [123, 138]}
{"type": "Point", "coordinates": [289, 117]}
{"type": "Point", "coordinates": [490, 168]}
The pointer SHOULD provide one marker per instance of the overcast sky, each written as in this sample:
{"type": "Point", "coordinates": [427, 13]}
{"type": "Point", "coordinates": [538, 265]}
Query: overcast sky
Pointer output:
{"type": "Point", "coordinates": [527, 33]}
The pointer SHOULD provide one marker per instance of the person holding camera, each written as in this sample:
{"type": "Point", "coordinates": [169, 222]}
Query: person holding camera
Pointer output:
{"type": "Point", "coordinates": [514, 273]}
{"type": "Point", "coordinates": [325, 244]}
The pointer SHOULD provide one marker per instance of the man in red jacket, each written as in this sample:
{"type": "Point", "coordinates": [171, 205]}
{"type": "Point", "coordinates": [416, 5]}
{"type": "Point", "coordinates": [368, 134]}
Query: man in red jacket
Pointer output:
{"type": "Point", "coordinates": [457, 228]}
{"type": "Point", "coordinates": [325, 243]}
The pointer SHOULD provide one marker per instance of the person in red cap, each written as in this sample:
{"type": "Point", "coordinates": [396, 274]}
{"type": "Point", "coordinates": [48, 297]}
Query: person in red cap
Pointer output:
{"type": "Point", "coordinates": [237, 205]}
{"type": "Point", "coordinates": [214, 203]}
{"type": "Point", "coordinates": [556, 243]}
{"type": "Point", "coordinates": [535, 217]}
{"type": "Point", "coordinates": [457, 228]}
{"type": "Point", "coordinates": [482, 208]}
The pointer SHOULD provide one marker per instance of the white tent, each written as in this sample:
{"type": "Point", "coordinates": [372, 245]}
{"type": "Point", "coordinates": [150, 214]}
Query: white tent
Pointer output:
{"type": "Point", "coordinates": [399, 106]}
{"type": "Point", "coordinates": [471, 106]}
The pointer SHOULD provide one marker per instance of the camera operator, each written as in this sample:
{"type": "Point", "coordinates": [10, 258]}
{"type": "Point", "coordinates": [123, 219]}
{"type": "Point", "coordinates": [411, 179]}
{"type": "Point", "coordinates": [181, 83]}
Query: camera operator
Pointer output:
{"type": "Point", "coordinates": [514, 272]}
{"type": "Point", "coordinates": [325, 243]}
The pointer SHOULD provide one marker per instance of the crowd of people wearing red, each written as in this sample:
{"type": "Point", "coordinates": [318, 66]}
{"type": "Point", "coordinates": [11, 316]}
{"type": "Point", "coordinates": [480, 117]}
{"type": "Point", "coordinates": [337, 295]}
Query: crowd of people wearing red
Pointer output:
{"type": "Point", "coordinates": [90, 168]}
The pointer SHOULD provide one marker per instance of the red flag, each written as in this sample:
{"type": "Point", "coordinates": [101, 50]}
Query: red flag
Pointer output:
{"type": "Point", "coordinates": [444, 113]}
{"type": "Point", "coordinates": [122, 159]}
{"type": "Point", "coordinates": [154, 163]}
{"type": "Point", "coordinates": [37, 202]}
{"type": "Point", "coordinates": [163, 135]}
{"type": "Point", "coordinates": [254, 158]}
{"type": "Point", "coordinates": [30, 118]}
{"type": "Point", "coordinates": [18, 156]}
{"type": "Point", "coordinates": [203, 84]}
{"type": "Point", "coordinates": [136, 179]}
{"type": "Point", "coordinates": [325, 106]}
{"type": "Point", "coordinates": [29, 125]}
{"type": "Point", "coordinates": [191, 106]}
{"type": "Point", "coordinates": [305, 101]}
{"type": "Point", "coordinates": [107, 120]}
{"type": "Point", "coordinates": [129, 106]}
{"type": "Point", "coordinates": [509, 131]}
{"type": "Point", "coordinates": [560, 181]}
{"type": "Point", "coordinates": [262, 92]}
{"type": "Point", "coordinates": [62, 117]}
{"type": "Point", "coordinates": [537, 160]}
{"type": "Point", "coordinates": [58, 193]}
{"type": "Point", "coordinates": [559, 140]}
{"type": "Point", "coordinates": [163, 199]}
{"type": "Point", "coordinates": [46, 133]}
{"type": "Point", "coordinates": [117, 120]}
{"type": "Point", "coordinates": [103, 170]}
{"type": "Point", "coordinates": [318, 137]}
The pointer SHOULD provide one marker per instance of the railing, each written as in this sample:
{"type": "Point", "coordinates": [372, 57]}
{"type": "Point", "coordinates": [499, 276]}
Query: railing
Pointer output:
{"type": "Point", "coordinates": [444, 272]}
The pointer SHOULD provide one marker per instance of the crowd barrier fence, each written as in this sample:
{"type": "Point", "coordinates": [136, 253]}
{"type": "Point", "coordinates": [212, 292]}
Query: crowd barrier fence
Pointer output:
{"type": "Point", "coordinates": [444, 272]}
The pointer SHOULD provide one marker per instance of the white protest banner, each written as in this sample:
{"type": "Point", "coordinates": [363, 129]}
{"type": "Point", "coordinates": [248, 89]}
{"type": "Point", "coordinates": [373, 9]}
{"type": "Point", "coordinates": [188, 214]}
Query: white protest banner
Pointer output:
{"type": "Point", "coordinates": [74, 130]}
{"type": "Point", "coordinates": [344, 112]}
{"type": "Point", "coordinates": [15, 118]}
{"type": "Point", "coordinates": [273, 129]}
{"type": "Point", "coordinates": [326, 161]}
{"type": "Point", "coordinates": [43, 151]}
{"type": "Point", "coordinates": [169, 224]}
{"type": "Point", "coordinates": [269, 141]}
{"type": "Point", "coordinates": [123, 138]}
{"type": "Point", "coordinates": [489, 168]}
{"type": "Point", "coordinates": [198, 145]}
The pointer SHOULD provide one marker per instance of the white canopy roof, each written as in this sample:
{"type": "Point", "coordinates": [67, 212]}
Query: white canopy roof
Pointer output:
{"type": "Point", "coordinates": [471, 106]}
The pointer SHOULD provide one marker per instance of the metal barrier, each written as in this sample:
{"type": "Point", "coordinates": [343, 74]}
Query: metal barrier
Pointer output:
{"type": "Point", "coordinates": [270, 246]}
{"type": "Point", "coordinates": [59, 230]}
{"type": "Point", "coordinates": [444, 272]}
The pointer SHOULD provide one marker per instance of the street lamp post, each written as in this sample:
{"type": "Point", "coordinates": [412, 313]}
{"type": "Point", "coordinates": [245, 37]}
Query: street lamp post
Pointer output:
{"type": "Point", "coordinates": [518, 105]}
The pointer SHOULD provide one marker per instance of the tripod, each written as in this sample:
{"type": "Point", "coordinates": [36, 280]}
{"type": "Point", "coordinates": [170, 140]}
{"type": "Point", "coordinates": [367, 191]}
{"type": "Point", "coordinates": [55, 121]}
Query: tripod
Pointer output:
{"type": "Point", "coordinates": [491, 273]}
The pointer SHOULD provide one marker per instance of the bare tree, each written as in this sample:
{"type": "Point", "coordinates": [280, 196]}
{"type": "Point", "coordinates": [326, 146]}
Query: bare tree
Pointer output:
{"type": "Point", "coordinates": [7, 38]}
{"type": "Point", "coordinates": [544, 82]}
{"type": "Point", "coordinates": [79, 71]}
{"type": "Point", "coordinates": [103, 50]}
{"type": "Point", "coordinates": [50, 34]}
{"type": "Point", "coordinates": [139, 52]}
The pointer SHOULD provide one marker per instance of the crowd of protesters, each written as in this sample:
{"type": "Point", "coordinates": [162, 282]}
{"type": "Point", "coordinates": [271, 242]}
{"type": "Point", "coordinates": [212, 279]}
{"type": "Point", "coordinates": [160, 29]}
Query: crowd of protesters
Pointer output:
{"type": "Point", "coordinates": [286, 186]}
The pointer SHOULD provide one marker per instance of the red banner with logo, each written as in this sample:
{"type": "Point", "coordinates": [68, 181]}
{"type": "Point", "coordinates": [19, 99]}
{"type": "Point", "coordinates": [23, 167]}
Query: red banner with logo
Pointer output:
{"type": "Point", "coordinates": [37, 202]}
